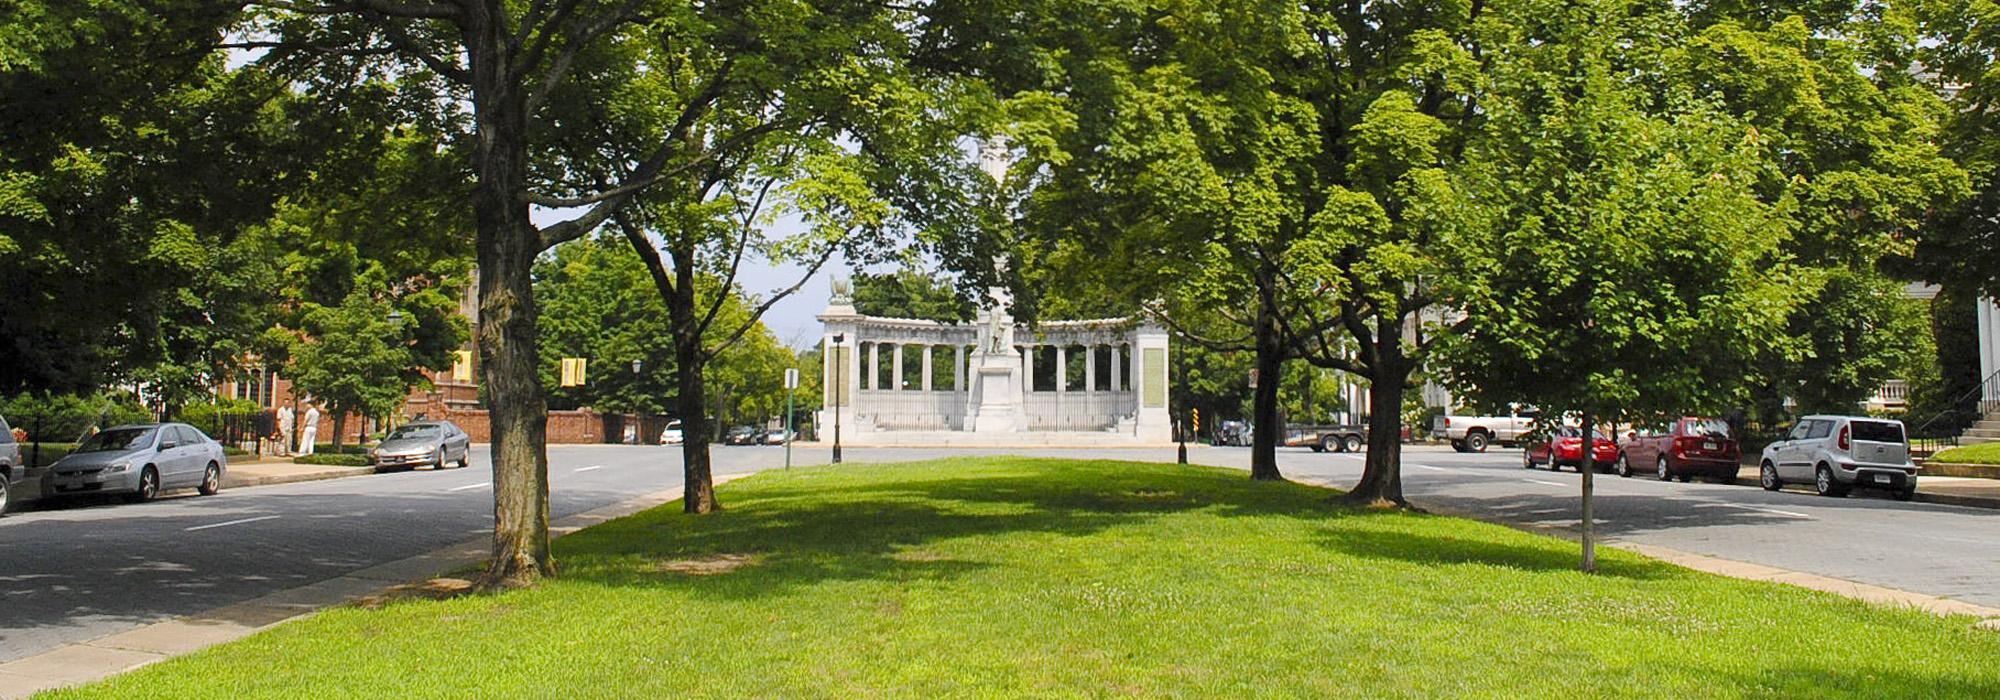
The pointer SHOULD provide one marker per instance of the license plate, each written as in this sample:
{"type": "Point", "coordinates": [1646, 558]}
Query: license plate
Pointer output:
{"type": "Point", "coordinates": [1710, 446]}
{"type": "Point", "coordinates": [1881, 478]}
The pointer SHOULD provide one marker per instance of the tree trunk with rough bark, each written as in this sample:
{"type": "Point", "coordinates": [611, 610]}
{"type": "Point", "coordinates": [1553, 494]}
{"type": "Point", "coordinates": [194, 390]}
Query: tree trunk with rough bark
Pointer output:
{"type": "Point", "coordinates": [507, 244]}
{"type": "Point", "coordinates": [1264, 408]}
{"type": "Point", "coordinates": [698, 494]}
{"type": "Point", "coordinates": [1382, 471]}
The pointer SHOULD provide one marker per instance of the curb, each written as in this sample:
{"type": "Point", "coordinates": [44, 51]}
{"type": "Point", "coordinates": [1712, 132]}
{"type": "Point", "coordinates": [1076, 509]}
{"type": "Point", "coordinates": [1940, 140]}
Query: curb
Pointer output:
{"type": "Point", "coordinates": [1962, 501]}
{"type": "Point", "coordinates": [231, 482]}
{"type": "Point", "coordinates": [114, 654]}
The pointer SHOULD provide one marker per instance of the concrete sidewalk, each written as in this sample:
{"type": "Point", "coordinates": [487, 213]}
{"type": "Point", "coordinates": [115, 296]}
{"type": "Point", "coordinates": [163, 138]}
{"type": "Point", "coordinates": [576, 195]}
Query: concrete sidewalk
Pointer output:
{"type": "Point", "coordinates": [270, 471]}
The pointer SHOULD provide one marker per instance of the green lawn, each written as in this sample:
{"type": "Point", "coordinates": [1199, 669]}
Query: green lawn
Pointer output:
{"type": "Point", "coordinates": [1984, 453]}
{"type": "Point", "coordinates": [1017, 577]}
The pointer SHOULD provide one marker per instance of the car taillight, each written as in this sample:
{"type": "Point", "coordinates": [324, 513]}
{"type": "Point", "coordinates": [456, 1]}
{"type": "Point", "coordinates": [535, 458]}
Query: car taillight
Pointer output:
{"type": "Point", "coordinates": [1843, 437]}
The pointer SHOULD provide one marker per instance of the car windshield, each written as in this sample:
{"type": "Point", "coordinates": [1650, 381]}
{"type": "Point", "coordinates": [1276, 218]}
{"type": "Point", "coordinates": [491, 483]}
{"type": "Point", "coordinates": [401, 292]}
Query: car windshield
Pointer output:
{"type": "Point", "coordinates": [414, 431]}
{"type": "Point", "coordinates": [1708, 428]}
{"type": "Point", "coordinates": [1877, 431]}
{"type": "Point", "coordinates": [741, 431]}
{"type": "Point", "coordinates": [117, 440]}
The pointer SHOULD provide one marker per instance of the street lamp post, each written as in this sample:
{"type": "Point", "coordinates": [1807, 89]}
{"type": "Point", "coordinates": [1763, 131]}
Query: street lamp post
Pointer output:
{"type": "Point", "coordinates": [637, 437]}
{"type": "Point", "coordinates": [839, 388]}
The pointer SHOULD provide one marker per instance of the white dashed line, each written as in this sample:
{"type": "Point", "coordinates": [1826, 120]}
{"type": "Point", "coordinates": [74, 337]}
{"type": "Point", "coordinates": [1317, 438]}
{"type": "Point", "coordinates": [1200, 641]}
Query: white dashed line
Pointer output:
{"type": "Point", "coordinates": [232, 522]}
{"type": "Point", "coordinates": [590, 468]}
{"type": "Point", "coordinates": [1547, 483]}
{"type": "Point", "coordinates": [1772, 511]}
{"type": "Point", "coordinates": [481, 484]}
{"type": "Point", "coordinates": [1426, 466]}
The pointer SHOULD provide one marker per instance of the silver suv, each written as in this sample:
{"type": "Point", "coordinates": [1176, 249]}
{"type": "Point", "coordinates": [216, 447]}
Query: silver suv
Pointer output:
{"type": "Point", "coordinates": [1839, 453]}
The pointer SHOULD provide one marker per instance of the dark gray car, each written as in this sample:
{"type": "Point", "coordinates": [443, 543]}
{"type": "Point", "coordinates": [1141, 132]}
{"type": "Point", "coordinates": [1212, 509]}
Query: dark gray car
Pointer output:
{"type": "Point", "coordinates": [434, 443]}
{"type": "Point", "coordinates": [141, 460]}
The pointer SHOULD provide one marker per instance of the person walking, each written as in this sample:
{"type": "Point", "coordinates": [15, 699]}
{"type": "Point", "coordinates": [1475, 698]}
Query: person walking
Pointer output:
{"type": "Point", "coordinates": [309, 432]}
{"type": "Point", "coordinates": [285, 431]}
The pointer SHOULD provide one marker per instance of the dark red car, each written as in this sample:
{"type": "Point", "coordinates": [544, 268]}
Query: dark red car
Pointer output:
{"type": "Point", "coordinates": [1569, 451]}
{"type": "Point", "coordinates": [1691, 447]}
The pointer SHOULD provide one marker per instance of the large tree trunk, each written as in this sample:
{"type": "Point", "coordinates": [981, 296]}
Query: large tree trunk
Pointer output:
{"type": "Point", "coordinates": [339, 428]}
{"type": "Point", "coordinates": [698, 492]}
{"type": "Point", "coordinates": [507, 245]}
{"type": "Point", "coordinates": [1269, 427]}
{"type": "Point", "coordinates": [1382, 472]}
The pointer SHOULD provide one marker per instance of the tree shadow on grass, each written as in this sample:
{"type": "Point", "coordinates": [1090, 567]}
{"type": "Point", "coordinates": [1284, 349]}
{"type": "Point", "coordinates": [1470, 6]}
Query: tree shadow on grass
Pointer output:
{"type": "Point", "coordinates": [836, 523]}
{"type": "Point", "coordinates": [1415, 548]}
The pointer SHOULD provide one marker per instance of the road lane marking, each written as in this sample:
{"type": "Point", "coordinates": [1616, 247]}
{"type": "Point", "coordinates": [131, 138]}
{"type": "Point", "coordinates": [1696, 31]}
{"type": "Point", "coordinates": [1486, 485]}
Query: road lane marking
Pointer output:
{"type": "Point", "coordinates": [1426, 466]}
{"type": "Point", "coordinates": [232, 522]}
{"type": "Point", "coordinates": [590, 468]}
{"type": "Point", "coordinates": [1547, 483]}
{"type": "Point", "coordinates": [1772, 511]}
{"type": "Point", "coordinates": [481, 484]}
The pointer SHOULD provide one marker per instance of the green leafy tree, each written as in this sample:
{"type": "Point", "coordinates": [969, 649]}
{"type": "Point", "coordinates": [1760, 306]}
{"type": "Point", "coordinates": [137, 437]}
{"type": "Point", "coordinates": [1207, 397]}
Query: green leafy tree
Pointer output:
{"type": "Point", "coordinates": [1642, 272]}
{"type": "Point", "coordinates": [354, 359]}
{"type": "Point", "coordinates": [910, 293]}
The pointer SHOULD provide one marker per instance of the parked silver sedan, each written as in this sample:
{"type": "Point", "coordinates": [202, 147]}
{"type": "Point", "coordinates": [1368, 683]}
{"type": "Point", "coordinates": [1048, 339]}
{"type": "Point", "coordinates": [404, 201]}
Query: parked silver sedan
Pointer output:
{"type": "Point", "coordinates": [435, 443]}
{"type": "Point", "coordinates": [140, 461]}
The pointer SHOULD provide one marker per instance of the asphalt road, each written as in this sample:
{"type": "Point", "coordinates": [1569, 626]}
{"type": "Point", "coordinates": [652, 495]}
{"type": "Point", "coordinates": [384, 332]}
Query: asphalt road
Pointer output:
{"type": "Point", "coordinates": [74, 573]}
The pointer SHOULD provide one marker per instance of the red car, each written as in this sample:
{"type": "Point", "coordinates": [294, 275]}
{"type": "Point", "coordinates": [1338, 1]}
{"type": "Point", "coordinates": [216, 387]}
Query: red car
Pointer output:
{"type": "Point", "coordinates": [1692, 447]}
{"type": "Point", "coordinates": [1569, 451]}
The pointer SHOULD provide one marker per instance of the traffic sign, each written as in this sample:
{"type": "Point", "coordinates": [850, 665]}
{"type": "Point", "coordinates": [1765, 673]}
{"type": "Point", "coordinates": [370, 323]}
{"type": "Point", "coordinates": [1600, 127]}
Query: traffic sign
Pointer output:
{"type": "Point", "coordinates": [792, 378]}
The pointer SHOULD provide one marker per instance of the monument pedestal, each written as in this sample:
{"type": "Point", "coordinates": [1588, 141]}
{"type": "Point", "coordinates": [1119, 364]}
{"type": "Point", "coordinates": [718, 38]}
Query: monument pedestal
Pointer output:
{"type": "Point", "coordinates": [998, 405]}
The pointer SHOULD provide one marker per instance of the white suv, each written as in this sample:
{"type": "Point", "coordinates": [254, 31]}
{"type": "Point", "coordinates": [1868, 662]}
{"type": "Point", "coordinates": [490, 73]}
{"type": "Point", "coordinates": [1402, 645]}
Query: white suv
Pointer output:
{"type": "Point", "coordinates": [1838, 453]}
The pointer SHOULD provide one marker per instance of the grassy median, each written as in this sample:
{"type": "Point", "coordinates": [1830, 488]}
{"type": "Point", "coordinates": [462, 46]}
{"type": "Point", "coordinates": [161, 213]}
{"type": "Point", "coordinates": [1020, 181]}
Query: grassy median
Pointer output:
{"type": "Point", "coordinates": [1020, 577]}
{"type": "Point", "coordinates": [1985, 453]}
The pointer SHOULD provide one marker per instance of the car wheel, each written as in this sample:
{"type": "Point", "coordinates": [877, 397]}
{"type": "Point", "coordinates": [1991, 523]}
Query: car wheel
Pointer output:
{"type": "Point", "coordinates": [1624, 466]}
{"type": "Point", "coordinates": [438, 463]}
{"type": "Point", "coordinates": [1660, 470]}
{"type": "Point", "coordinates": [465, 458]}
{"type": "Point", "coordinates": [5, 494]}
{"type": "Point", "coordinates": [1352, 443]}
{"type": "Point", "coordinates": [211, 480]}
{"type": "Point", "coordinates": [1767, 476]}
{"type": "Point", "coordinates": [1824, 483]}
{"type": "Point", "coordinates": [1726, 479]}
{"type": "Point", "coordinates": [1905, 494]}
{"type": "Point", "coordinates": [1527, 460]}
{"type": "Point", "coordinates": [1475, 442]}
{"type": "Point", "coordinates": [149, 486]}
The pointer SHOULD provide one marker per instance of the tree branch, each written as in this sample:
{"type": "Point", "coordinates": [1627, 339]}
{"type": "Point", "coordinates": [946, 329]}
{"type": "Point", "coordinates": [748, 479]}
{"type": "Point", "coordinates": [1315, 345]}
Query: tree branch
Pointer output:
{"type": "Point", "coordinates": [648, 173]}
{"type": "Point", "coordinates": [758, 313]}
{"type": "Point", "coordinates": [742, 244]}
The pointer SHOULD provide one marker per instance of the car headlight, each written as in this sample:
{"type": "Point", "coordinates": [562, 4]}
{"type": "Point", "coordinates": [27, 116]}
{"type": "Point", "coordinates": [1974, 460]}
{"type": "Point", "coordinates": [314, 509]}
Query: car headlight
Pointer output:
{"type": "Point", "coordinates": [118, 467]}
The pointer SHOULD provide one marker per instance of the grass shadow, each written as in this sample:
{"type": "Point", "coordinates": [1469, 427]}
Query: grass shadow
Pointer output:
{"type": "Point", "coordinates": [1426, 549]}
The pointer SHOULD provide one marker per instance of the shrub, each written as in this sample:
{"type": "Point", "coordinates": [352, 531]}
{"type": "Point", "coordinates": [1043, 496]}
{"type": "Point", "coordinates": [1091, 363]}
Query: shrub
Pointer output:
{"type": "Point", "coordinates": [51, 417]}
{"type": "Point", "coordinates": [334, 460]}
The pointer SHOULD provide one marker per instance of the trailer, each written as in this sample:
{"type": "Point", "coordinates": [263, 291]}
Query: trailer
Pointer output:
{"type": "Point", "coordinates": [1327, 438]}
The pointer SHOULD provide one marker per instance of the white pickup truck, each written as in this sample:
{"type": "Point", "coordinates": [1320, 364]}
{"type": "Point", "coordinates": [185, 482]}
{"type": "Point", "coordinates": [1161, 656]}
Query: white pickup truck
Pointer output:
{"type": "Point", "coordinates": [1476, 433]}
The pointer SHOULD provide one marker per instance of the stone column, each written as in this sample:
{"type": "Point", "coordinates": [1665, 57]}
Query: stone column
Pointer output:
{"type": "Point", "coordinates": [1089, 369]}
{"type": "Point", "coordinates": [1062, 370]}
{"type": "Point", "coordinates": [1117, 367]}
{"type": "Point", "coordinates": [1027, 369]}
{"type": "Point", "coordinates": [896, 369]}
{"type": "Point", "coordinates": [958, 368]}
{"type": "Point", "coordinates": [874, 367]}
{"type": "Point", "coordinates": [927, 369]}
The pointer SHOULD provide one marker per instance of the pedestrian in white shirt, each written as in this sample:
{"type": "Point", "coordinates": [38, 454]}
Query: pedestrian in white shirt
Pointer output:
{"type": "Point", "coordinates": [310, 433]}
{"type": "Point", "coordinates": [284, 431]}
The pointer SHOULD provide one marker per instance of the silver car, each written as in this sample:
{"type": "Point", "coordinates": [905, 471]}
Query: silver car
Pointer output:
{"type": "Point", "coordinates": [437, 444]}
{"type": "Point", "coordinates": [140, 461]}
{"type": "Point", "coordinates": [1837, 454]}
{"type": "Point", "coordinates": [12, 471]}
